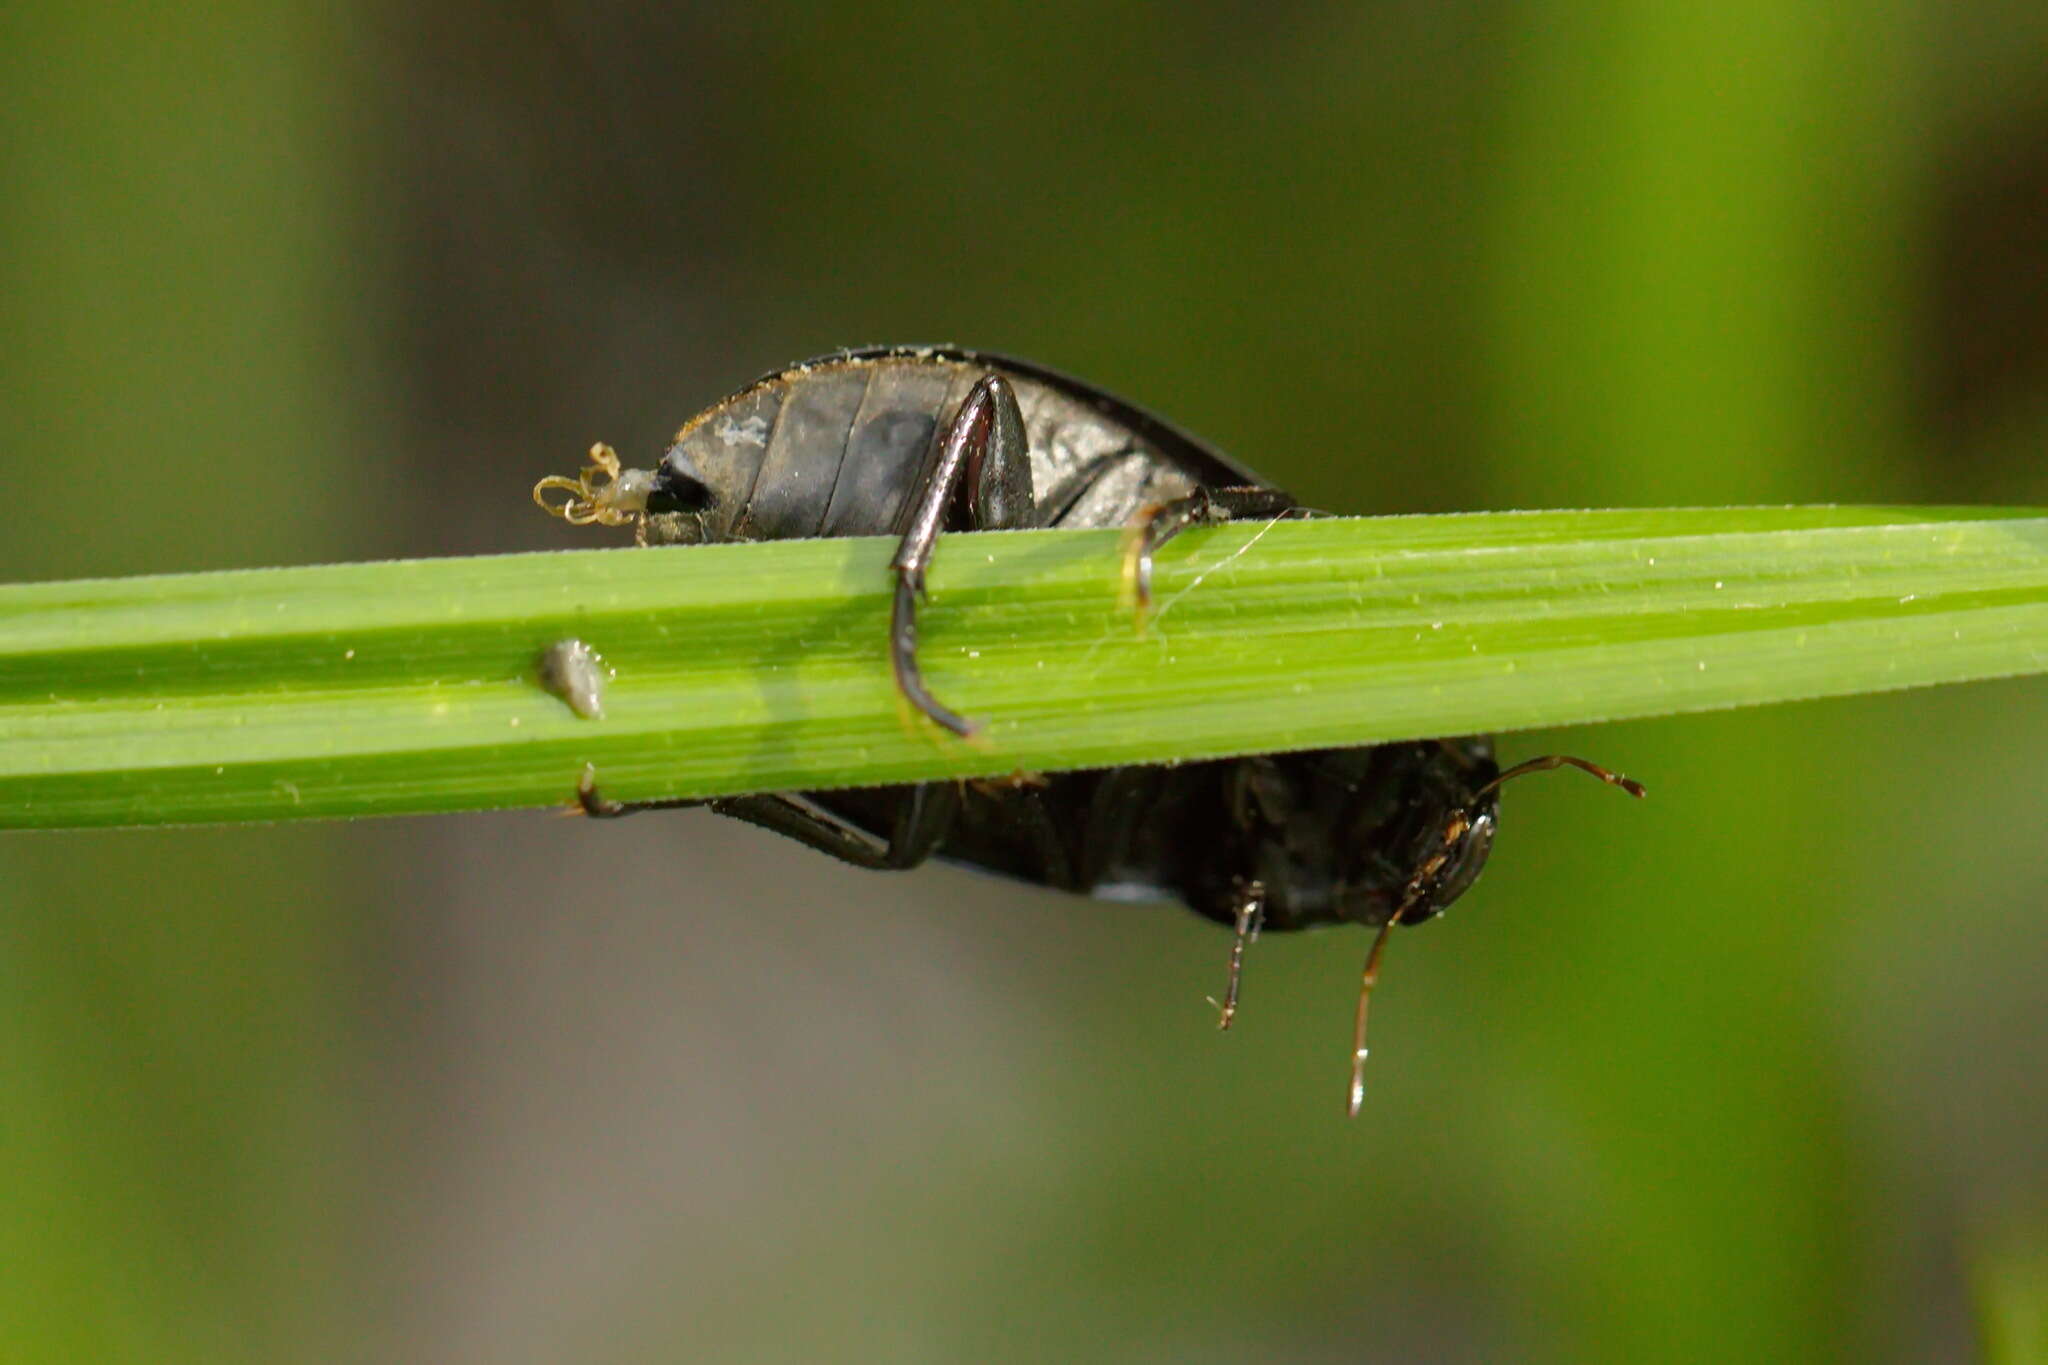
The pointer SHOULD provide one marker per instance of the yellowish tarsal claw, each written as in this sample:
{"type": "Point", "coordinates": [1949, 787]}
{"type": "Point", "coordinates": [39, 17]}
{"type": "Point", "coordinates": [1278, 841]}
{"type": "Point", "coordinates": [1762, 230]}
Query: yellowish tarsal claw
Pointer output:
{"type": "Point", "coordinates": [603, 493]}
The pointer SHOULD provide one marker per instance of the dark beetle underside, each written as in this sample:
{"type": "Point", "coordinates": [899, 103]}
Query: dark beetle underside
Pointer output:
{"type": "Point", "coordinates": [1328, 836]}
{"type": "Point", "coordinates": [915, 442]}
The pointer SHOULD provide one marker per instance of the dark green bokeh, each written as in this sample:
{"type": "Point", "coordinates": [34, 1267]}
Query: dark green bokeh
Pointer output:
{"type": "Point", "coordinates": [1751, 1071]}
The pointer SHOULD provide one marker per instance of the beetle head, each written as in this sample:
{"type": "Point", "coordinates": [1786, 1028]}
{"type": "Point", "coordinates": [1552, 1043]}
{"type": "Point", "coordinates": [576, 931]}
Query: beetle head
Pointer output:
{"type": "Point", "coordinates": [1366, 835]}
{"type": "Point", "coordinates": [1449, 858]}
{"type": "Point", "coordinates": [1380, 835]}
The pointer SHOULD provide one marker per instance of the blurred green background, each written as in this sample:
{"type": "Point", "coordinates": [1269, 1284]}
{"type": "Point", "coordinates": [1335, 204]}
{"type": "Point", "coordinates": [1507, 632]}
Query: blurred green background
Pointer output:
{"type": "Point", "coordinates": [1752, 1071]}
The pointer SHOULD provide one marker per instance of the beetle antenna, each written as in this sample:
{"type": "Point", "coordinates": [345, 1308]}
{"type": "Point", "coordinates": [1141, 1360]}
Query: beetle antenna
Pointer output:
{"type": "Point", "coordinates": [1250, 911]}
{"type": "Point", "coordinates": [1549, 761]}
{"type": "Point", "coordinates": [1366, 981]}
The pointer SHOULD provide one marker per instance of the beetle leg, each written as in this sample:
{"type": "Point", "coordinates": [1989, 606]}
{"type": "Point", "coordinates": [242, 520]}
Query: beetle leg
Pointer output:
{"type": "Point", "coordinates": [921, 821]}
{"type": "Point", "coordinates": [600, 807]}
{"type": "Point", "coordinates": [604, 493]}
{"type": "Point", "coordinates": [1249, 912]}
{"type": "Point", "coordinates": [1203, 507]}
{"type": "Point", "coordinates": [983, 454]}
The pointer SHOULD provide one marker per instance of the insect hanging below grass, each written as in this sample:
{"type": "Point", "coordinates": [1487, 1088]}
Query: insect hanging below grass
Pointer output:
{"type": "Point", "coordinates": [916, 442]}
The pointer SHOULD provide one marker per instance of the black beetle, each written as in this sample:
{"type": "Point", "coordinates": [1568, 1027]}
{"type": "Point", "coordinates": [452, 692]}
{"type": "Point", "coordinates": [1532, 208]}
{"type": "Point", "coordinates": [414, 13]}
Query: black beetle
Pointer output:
{"type": "Point", "coordinates": [914, 441]}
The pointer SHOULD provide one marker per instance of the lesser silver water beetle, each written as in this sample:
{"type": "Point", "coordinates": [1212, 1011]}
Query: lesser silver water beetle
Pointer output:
{"type": "Point", "coordinates": [918, 441]}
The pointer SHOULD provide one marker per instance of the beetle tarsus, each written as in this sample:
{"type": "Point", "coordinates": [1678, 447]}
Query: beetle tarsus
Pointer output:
{"type": "Point", "coordinates": [1367, 979]}
{"type": "Point", "coordinates": [903, 656]}
{"type": "Point", "coordinates": [600, 807]}
{"type": "Point", "coordinates": [604, 494]}
{"type": "Point", "coordinates": [1249, 913]}
{"type": "Point", "coordinates": [1203, 507]}
{"type": "Point", "coordinates": [593, 805]}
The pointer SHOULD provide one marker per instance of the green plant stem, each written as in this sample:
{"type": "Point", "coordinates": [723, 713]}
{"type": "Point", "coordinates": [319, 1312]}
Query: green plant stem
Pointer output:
{"type": "Point", "coordinates": [412, 686]}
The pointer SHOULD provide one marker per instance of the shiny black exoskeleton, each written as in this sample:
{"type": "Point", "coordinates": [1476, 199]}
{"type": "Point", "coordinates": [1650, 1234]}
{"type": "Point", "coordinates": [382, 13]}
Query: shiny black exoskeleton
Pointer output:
{"type": "Point", "coordinates": [916, 442]}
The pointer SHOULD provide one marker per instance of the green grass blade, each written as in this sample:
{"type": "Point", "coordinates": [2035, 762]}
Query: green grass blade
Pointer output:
{"type": "Point", "coordinates": [2010, 1286]}
{"type": "Point", "coordinates": [409, 686]}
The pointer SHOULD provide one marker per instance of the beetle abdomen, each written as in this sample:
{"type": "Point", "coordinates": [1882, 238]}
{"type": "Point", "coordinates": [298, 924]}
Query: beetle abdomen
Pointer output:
{"type": "Point", "coordinates": [828, 448]}
{"type": "Point", "coordinates": [838, 446]}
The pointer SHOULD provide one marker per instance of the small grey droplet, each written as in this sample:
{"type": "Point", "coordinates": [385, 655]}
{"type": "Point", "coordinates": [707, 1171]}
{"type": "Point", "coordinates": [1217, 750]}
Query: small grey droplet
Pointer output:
{"type": "Point", "coordinates": [573, 671]}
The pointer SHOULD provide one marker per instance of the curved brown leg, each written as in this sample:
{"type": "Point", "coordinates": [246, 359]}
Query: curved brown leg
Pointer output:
{"type": "Point", "coordinates": [921, 820]}
{"type": "Point", "coordinates": [985, 457]}
{"type": "Point", "coordinates": [1203, 507]}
